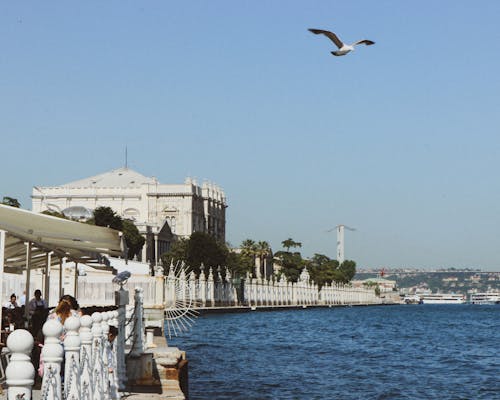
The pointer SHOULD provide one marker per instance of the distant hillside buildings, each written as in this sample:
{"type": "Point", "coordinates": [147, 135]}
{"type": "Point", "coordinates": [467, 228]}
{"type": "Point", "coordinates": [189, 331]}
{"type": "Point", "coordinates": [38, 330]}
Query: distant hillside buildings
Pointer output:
{"type": "Point", "coordinates": [162, 212]}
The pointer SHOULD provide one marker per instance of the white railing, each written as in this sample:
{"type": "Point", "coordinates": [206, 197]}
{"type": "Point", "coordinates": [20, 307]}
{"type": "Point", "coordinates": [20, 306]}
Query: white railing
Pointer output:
{"type": "Point", "coordinates": [216, 291]}
{"type": "Point", "coordinates": [90, 360]}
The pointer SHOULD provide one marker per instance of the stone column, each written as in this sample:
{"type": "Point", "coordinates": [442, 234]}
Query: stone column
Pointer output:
{"type": "Point", "coordinates": [257, 268]}
{"type": "Point", "coordinates": [156, 248]}
{"type": "Point", "coordinates": [144, 249]}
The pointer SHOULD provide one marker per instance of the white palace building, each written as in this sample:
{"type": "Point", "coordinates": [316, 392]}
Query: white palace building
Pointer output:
{"type": "Point", "coordinates": [162, 212]}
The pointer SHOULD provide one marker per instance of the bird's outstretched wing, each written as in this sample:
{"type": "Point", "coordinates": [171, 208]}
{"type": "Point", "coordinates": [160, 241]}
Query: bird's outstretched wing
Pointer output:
{"type": "Point", "coordinates": [364, 41]}
{"type": "Point", "coordinates": [121, 277]}
{"type": "Point", "coordinates": [330, 35]}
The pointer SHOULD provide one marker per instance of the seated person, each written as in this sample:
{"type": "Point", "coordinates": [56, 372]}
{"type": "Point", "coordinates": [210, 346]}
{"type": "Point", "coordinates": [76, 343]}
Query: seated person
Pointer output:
{"type": "Point", "coordinates": [12, 303]}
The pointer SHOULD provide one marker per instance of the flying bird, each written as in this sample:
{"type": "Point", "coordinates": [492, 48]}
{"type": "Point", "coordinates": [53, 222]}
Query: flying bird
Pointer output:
{"type": "Point", "coordinates": [343, 48]}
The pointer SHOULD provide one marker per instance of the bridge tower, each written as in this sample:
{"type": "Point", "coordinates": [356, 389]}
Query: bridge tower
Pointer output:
{"type": "Point", "coordinates": [340, 241]}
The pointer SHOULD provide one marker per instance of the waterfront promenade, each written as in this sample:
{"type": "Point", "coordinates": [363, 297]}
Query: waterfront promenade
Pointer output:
{"type": "Point", "coordinates": [28, 244]}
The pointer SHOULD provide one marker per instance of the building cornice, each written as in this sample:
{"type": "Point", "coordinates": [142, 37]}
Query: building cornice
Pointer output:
{"type": "Point", "coordinates": [86, 196]}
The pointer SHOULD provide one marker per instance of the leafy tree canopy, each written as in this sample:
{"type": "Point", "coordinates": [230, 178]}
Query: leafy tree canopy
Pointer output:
{"type": "Point", "coordinates": [322, 269]}
{"type": "Point", "coordinates": [204, 249]}
{"type": "Point", "coordinates": [54, 214]}
{"type": "Point", "coordinates": [177, 253]}
{"type": "Point", "coordinates": [291, 264]}
{"type": "Point", "coordinates": [133, 238]}
{"type": "Point", "coordinates": [10, 201]}
{"type": "Point", "coordinates": [105, 216]}
{"type": "Point", "coordinates": [290, 243]}
{"type": "Point", "coordinates": [200, 248]}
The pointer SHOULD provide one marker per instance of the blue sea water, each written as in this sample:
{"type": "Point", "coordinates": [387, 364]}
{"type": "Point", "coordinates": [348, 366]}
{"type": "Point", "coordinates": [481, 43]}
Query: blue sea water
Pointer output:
{"type": "Point", "coordinates": [381, 352]}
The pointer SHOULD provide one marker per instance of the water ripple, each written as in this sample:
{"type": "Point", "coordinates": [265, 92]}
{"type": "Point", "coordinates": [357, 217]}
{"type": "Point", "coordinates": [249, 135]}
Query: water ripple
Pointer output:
{"type": "Point", "coordinates": [397, 352]}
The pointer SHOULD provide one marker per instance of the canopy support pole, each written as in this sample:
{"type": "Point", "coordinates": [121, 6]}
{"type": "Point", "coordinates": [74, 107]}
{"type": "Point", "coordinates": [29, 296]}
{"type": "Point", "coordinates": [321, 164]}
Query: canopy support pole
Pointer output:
{"type": "Point", "coordinates": [46, 294]}
{"type": "Point", "coordinates": [28, 278]}
{"type": "Point", "coordinates": [60, 276]}
{"type": "Point", "coordinates": [76, 280]}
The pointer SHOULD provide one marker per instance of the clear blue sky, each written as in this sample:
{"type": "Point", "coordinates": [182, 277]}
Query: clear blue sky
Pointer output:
{"type": "Point", "coordinates": [399, 140]}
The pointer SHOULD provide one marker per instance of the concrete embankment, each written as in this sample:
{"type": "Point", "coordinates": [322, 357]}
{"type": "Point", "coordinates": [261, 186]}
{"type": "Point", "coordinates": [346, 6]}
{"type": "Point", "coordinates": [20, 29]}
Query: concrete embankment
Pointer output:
{"type": "Point", "coordinates": [161, 372]}
{"type": "Point", "coordinates": [243, 309]}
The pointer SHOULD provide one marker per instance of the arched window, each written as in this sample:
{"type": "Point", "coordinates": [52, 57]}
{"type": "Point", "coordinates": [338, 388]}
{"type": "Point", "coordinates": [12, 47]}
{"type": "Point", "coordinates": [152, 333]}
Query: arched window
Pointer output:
{"type": "Point", "coordinates": [131, 213]}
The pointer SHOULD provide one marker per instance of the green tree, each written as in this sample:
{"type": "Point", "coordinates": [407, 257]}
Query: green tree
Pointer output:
{"type": "Point", "coordinates": [105, 216]}
{"type": "Point", "coordinates": [133, 238]}
{"type": "Point", "coordinates": [322, 269]}
{"type": "Point", "coordinates": [291, 264]}
{"type": "Point", "coordinates": [202, 248]}
{"type": "Point", "coordinates": [247, 255]}
{"type": "Point", "coordinates": [237, 264]}
{"type": "Point", "coordinates": [178, 252]}
{"type": "Point", "coordinates": [290, 243]}
{"type": "Point", "coordinates": [10, 201]}
{"type": "Point", "coordinates": [263, 250]}
{"type": "Point", "coordinates": [345, 272]}
{"type": "Point", "coordinates": [54, 214]}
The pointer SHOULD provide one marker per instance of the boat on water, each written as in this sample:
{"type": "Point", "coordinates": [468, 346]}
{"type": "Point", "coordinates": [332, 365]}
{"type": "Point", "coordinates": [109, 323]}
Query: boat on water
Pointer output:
{"type": "Point", "coordinates": [443, 298]}
{"type": "Point", "coordinates": [485, 298]}
{"type": "Point", "coordinates": [412, 299]}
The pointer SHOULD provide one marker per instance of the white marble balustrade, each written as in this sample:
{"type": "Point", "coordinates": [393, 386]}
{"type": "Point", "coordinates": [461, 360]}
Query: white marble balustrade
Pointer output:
{"type": "Point", "coordinates": [81, 346]}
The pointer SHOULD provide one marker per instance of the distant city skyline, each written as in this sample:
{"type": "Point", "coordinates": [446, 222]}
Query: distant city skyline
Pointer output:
{"type": "Point", "coordinates": [399, 140]}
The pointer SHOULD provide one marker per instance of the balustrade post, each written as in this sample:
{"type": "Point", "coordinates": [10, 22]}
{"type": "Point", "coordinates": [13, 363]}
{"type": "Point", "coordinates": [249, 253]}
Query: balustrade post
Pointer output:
{"type": "Point", "coordinates": [52, 356]}
{"type": "Point", "coordinates": [86, 357]}
{"type": "Point", "coordinates": [97, 367]}
{"type": "Point", "coordinates": [219, 299]}
{"type": "Point", "coordinates": [210, 287]}
{"type": "Point", "coordinates": [113, 376]}
{"type": "Point", "coordinates": [138, 334]}
{"type": "Point", "coordinates": [20, 372]}
{"type": "Point", "coordinates": [203, 287]}
{"type": "Point", "coordinates": [105, 349]}
{"type": "Point", "coordinates": [120, 350]}
{"type": "Point", "coordinates": [72, 371]}
{"type": "Point", "coordinates": [192, 287]}
{"type": "Point", "coordinates": [182, 284]}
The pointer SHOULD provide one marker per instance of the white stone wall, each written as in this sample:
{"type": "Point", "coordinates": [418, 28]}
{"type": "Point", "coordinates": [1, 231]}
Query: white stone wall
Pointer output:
{"type": "Point", "coordinates": [185, 207]}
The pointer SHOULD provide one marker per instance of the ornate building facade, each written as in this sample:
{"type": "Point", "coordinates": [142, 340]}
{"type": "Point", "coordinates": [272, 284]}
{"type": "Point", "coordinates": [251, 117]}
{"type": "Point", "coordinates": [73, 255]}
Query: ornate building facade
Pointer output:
{"type": "Point", "coordinates": [161, 212]}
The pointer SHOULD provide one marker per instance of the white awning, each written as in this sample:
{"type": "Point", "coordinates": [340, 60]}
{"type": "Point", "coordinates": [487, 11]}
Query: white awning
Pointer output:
{"type": "Point", "coordinates": [75, 241]}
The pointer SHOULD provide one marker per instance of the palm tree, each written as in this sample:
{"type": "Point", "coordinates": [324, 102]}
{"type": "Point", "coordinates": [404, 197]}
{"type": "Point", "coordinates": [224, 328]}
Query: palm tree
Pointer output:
{"type": "Point", "coordinates": [248, 248]}
{"type": "Point", "coordinates": [262, 251]}
{"type": "Point", "coordinates": [248, 252]}
{"type": "Point", "coordinates": [290, 243]}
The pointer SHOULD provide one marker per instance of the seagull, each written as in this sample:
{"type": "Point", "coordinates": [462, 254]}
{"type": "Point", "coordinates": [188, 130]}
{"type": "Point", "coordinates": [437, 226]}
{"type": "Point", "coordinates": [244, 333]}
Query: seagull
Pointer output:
{"type": "Point", "coordinates": [343, 48]}
{"type": "Point", "coordinates": [121, 278]}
